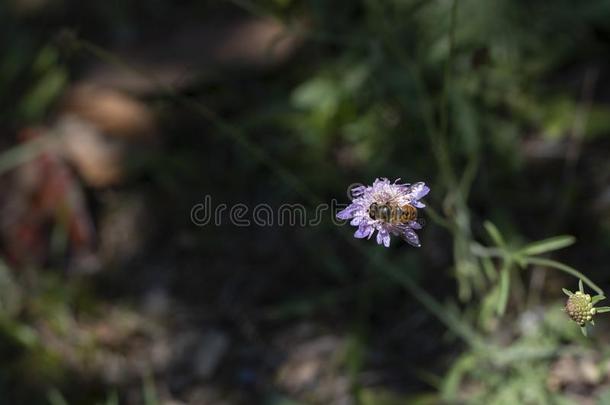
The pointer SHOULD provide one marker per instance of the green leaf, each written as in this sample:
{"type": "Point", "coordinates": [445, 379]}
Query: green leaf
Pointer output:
{"type": "Point", "coordinates": [583, 329]}
{"type": "Point", "coordinates": [320, 94]}
{"type": "Point", "coordinates": [456, 374]}
{"type": "Point", "coordinates": [489, 269]}
{"type": "Point", "coordinates": [567, 292]}
{"type": "Point", "coordinates": [581, 288]}
{"type": "Point", "coordinates": [597, 299]}
{"type": "Point", "coordinates": [520, 260]}
{"type": "Point", "coordinates": [601, 310]}
{"type": "Point", "coordinates": [548, 245]}
{"type": "Point", "coordinates": [504, 289]}
{"type": "Point", "coordinates": [39, 98]}
{"type": "Point", "coordinates": [495, 235]}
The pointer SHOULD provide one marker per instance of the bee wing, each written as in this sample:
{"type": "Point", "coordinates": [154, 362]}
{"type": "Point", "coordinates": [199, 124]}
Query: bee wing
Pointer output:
{"type": "Point", "coordinates": [407, 233]}
{"type": "Point", "coordinates": [418, 223]}
{"type": "Point", "coordinates": [411, 237]}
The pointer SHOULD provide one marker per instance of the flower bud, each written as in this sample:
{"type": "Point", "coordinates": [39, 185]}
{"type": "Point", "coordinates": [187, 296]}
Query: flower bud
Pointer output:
{"type": "Point", "coordinates": [579, 308]}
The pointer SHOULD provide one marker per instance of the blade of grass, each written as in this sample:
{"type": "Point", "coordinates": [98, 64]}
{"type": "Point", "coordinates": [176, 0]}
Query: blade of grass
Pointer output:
{"type": "Point", "coordinates": [495, 235]}
{"type": "Point", "coordinates": [489, 268]}
{"type": "Point", "coordinates": [547, 245]}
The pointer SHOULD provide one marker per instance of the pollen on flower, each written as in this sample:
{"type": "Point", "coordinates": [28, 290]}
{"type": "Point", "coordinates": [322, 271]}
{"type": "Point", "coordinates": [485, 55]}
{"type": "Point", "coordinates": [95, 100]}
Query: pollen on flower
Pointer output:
{"type": "Point", "coordinates": [388, 208]}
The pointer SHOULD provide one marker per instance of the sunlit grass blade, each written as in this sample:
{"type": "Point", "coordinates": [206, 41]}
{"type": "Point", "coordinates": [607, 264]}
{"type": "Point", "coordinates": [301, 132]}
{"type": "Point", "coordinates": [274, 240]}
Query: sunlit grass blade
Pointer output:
{"type": "Point", "coordinates": [547, 245]}
{"type": "Point", "coordinates": [494, 233]}
{"type": "Point", "coordinates": [567, 269]}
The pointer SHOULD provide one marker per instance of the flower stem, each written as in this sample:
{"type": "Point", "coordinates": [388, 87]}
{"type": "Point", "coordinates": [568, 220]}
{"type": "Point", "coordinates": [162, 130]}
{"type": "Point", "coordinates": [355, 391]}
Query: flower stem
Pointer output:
{"type": "Point", "coordinates": [565, 268]}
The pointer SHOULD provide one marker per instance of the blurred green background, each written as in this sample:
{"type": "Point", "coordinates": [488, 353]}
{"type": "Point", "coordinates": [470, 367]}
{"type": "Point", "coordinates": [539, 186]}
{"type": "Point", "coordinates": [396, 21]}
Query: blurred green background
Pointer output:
{"type": "Point", "coordinates": [118, 117]}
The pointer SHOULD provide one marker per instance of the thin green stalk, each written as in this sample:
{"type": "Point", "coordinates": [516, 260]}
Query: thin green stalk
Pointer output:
{"type": "Point", "coordinates": [441, 139]}
{"type": "Point", "coordinates": [565, 268]}
{"type": "Point", "coordinates": [504, 286]}
{"type": "Point", "coordinates": [486, 252]}
{"type": "Point", "coordinates": [469, 175]}
{"type": "Point", "coordinates": [445, 105]}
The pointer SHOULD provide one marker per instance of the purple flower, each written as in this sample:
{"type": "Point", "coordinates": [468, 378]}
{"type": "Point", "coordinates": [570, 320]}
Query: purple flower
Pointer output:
{"type": "Point", "coordinates": [388, 208]}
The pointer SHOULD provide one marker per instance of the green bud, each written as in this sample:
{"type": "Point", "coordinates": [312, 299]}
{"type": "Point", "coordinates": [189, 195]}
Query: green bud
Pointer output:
{"type": "Point", "coordinates": [579, 308]}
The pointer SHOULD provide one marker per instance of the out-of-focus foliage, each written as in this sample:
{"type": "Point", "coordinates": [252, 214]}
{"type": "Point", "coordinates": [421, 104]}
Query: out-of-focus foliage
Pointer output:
{"type": "Point", "coordinates": [500, 105]}
{"type": "Point", "coordinates": [31, 73]}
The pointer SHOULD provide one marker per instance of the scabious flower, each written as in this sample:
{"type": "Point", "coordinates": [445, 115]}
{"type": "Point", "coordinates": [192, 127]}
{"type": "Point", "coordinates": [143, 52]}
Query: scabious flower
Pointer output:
{"type": "Point", "coordinates": [580, 306]}
{"type": "Point", "coordinates": [393, 195]}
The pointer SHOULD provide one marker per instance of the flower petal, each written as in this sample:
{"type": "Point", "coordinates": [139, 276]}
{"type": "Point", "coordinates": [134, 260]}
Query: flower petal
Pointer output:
{"type": "Point", "coordinates": [383, 236]}
{"type": "Point", "coordinates": [418, 190]}
{"type": "Point", "coordinates": [357, 191]}
{"type": "Point", "coordinates": [356, 221]}
{"type": "Point", "coordinates": [363, 231]}
{"type": "Point", "coordinates": [347, 212]}
{"type": "Point", "coordinates": [379, 182]}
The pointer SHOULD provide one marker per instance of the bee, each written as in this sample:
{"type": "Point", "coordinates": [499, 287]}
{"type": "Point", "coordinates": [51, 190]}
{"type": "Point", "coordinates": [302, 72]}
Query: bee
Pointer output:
{"type": "Point", "coordinates": [399, 219]}
{"type": "Point", "coordinates": [392, 213]}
